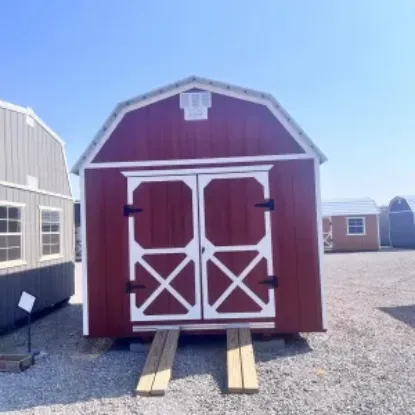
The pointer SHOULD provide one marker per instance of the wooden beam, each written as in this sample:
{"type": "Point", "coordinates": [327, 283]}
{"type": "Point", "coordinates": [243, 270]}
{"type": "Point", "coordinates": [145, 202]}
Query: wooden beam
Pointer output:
{"type": "Point", "coordinates": [146, 381]}
{"type": "Point", "coordinates": [163, 375]}
{"type": "Point", "coordinates": [249, 375]}
{"type": "Point", "coordinates": [235, 384]}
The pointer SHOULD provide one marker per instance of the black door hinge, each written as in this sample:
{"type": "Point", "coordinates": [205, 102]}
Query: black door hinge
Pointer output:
{"type": "Point", "coordinates": [268, 204]}
{"type": "Point", "coordinates": [272, 281]}
{"type": "Point", "coordinates": [133, 286]}
{"type": "Point", "coordinates": [128, 210]}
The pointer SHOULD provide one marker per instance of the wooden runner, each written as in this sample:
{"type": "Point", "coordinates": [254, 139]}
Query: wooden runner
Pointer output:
{"type": "Point", "coordinates": [156, 374]}
{"type": "Point", "coordinates": [242, 376]}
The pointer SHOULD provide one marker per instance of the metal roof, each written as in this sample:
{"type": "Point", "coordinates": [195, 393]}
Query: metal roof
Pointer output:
{"type": "Point", "coordinates": [410, 199]}
{"type": "Point", "coordinates": [188, 83]}
{"type": "Point", "coordinates": [342, 207]}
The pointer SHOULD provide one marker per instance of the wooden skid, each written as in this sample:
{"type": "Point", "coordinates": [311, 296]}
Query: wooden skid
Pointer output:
{"type": "Point", "coordinates": [15, 362]}
{"type": "Point", "coordinates": [156, 374]}
{"type": "Point", "coordinates": [235, 384]}
{"type": "Point", "coordinates": [242, 376]}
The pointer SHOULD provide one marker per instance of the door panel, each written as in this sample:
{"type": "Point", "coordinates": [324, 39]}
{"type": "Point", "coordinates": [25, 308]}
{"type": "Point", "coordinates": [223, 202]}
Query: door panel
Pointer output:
{"type": "Point", "coordinates": [164, 248]}
{"type": "Point", "coordinates": [236, 245]}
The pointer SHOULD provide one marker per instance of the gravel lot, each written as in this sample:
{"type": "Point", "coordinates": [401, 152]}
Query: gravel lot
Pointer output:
{"type": "Point", "coordinates": [364, 364]}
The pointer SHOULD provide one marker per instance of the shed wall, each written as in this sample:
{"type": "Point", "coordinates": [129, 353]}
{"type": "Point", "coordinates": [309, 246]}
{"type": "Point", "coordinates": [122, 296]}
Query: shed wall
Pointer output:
{"type": "Point", "coordinates": [402, 229]}
{"type": "Point", "coordinates": [344, 242]}
{"type": "Point", "coordinates": [295, 250]}
{"type": "Point", "coordinates": [31, 150]}
{"type": "Point", "coordinates": [51, 281]}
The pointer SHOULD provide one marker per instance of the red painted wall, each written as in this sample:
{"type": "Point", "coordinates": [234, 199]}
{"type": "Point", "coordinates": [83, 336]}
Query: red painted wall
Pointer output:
{"type": "Point", "coordinates": [253, 132]}
{"type": "Point", "coordinates": [234, 128]}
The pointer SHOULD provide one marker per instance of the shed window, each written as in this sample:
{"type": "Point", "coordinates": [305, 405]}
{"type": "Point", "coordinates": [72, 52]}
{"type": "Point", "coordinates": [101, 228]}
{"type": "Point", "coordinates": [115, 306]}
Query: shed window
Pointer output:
{"type": "Point", "coordinates": [51, 232]}
{"type": "Point", "coordinates": [10, 233]}
{"type": "Point", "coordinates": [356, 226]}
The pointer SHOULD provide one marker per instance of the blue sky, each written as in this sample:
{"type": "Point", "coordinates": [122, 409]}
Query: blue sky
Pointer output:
{"type": "Point", "coordinates": [345, 70]}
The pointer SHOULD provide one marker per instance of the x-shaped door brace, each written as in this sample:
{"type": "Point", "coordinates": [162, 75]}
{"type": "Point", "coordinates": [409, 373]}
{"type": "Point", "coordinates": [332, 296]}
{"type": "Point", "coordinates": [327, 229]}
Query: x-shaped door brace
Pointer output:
{"type": "Point", "coordinates": [165, 283]}
{"type": "Point", "coordinates": [328, 239]}
{"type": "Point", "coordinates": [237, 281]}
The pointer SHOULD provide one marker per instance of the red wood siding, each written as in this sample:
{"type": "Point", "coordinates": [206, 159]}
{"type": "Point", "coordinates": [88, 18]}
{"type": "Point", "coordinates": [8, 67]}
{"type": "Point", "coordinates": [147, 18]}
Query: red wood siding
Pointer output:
{"type": "Point", "coordinates": [295, 251]}
{"type": "Point", "coordinates": [234, 128]}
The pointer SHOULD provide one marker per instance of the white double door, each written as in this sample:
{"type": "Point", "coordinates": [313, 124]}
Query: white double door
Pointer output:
{"type": "Point", "coordinates": [200, 246]}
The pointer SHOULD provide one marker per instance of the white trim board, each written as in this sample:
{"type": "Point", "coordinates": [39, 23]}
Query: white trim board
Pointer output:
{"type": "Point", "coordinates": [50, 208]}
{"type": "Point", "coordinates": [201, 161]}
{"type": "Point", "coordinates": [320, 241]}
{"type": "Point", "coordinates": [208, 170]}
{"type": "Point", "coordinates": [206, 326]}
{"type": "Point", "coordinates": [29, 189]}
{"type": "Point", "coordinates": [12, 204]}
{"type": "Point", "coordinates": [207, 85]}
{"type": "Point", "coordinates": [85, 311]}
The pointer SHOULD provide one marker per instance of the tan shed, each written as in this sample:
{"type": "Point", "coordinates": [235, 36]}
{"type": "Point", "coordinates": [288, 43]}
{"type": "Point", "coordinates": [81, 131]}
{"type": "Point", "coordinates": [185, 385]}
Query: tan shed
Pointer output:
{"type": "Point", "coordinates": [350, 225]}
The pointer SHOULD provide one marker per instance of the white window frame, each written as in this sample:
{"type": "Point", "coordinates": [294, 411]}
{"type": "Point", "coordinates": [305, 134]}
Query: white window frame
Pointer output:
{"type": "Point", "coordinates": [21, 261]}
{"type": "Point", "coordinates": [348, 225]}
{"type": "Point", "coordinates": [60, 253]}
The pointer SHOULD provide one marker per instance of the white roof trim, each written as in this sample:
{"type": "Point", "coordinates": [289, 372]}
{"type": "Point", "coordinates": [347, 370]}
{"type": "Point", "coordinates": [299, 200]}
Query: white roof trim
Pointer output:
{"type": "Point", "coordinates": [29, 112]}
{"type": "Point", "coordinates": [202, 83]}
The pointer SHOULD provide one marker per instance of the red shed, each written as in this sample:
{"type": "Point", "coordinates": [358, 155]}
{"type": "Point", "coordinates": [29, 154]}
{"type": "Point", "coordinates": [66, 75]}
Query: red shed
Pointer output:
{"type": "Point", "coordinates": [200, 207]}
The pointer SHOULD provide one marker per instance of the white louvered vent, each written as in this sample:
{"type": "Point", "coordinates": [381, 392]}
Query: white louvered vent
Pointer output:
{"type": "Point", "coordinates": [32, 182]}
{"type": "Point", "coordinates": [195, 105]}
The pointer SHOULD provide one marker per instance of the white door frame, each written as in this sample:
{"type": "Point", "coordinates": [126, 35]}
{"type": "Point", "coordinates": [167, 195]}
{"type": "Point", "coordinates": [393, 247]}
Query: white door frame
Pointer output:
{"type": "Point", "coordinates": [197, 179]}
{"type": "Point", "coordinates": [191, 250]}
{"type": "Point", "coordinates": [263, 247]}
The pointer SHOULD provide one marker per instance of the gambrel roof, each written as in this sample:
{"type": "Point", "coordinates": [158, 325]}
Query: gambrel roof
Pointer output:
{"type": "Point", "coordinates": [209, 85]}
{"type": "Point", "coordinates": [410, 199]}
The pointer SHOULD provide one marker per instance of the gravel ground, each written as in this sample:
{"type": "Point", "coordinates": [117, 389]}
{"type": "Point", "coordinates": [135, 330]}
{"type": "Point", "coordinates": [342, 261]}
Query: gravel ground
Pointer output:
{"type": "Point", "coordinates": [364, 364]}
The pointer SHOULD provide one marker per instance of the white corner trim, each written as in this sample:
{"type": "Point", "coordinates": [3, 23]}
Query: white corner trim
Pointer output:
{"type": "Point", "coordinates": [201, 161]}
{"type": "Point", "coordinates": [13, 204]}
{"type": "Point", "coordinates": [378, 229]}
{"type": "Point", "coordinates": [12, 264]}
{"type": "Point", "coordinates": [320, 243]}
{"type": "Point", "coordinates": [46, 258]}
{"type": "Point", "coordinates": [65, 162]}
{"type": "Point", "coordinates": [29, 189]}
{"type": "Point", "coordinates": [207, 85]}
{"type": "Point", "coordinates": [85, 309]}
{"type": "Point", "coordinates": [184, 172]}
{"type": "Point", "coordinates": [364, 225]}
